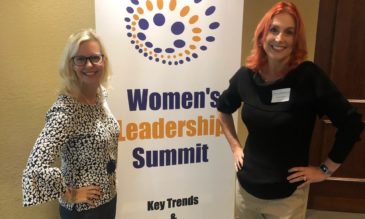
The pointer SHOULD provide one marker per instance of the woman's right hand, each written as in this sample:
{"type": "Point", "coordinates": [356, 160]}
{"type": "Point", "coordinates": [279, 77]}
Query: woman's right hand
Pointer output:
{"type": "Point", "coordinates": [238, 158]}
{"type": "Point", "coordinates": [87, 194]}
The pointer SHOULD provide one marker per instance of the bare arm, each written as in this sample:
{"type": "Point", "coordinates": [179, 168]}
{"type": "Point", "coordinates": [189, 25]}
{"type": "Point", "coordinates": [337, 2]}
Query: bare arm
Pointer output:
{"type": "Point", "coordinates": [226, 121]}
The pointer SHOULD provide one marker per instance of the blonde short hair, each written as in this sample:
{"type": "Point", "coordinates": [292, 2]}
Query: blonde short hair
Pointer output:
{"type": "Point", "coordinates": [70, 82]}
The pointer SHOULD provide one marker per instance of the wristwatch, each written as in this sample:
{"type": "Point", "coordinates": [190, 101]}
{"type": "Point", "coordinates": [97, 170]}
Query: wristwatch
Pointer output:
{"type": "Point", "coordinates": [323, 167]}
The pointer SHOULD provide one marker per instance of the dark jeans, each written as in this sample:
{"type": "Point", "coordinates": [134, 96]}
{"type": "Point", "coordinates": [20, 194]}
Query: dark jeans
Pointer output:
{"type": "Point", "coordinates": [105, 211]}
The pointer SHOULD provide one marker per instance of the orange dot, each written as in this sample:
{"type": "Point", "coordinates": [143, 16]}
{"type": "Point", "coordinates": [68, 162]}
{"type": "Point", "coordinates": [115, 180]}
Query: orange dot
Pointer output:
{"type": "Point", "coordinates": [136, 17]}
{"type": "Point", "coordinates": [133, 29]}
{"type": "Point", "coordinates": [160, 4]}
{"type": "Point", "coordinates": [192, 47]}
{"type": "Point", "coordinates": [196, 38]}
{"type": "Point", "coordinates": [145, 49]}
{"type": "Point", "coordinates": [197, 30]}
{"type": "Point", "coordinates": [184, 11]}
{"type": "Point", "coordinates": [149, 5]}
{"type": "Point", "coordinates": [180, 54]}
{"type": "Point", "coordinates": [168, 56]}
{"type": "Point", "coordinates": [187, 52]}
{"type": "Point", "coordinates": [140, 10]}
{"type": "Point", "coordinates": [172, 5]}
{"type": "Point", "coordinates": [193, 19]}
{"type": "Point", "coordinates": [134, 23]}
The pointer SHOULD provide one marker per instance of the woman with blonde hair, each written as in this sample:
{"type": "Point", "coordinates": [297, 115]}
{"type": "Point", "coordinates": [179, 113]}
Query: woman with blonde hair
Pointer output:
{"type": "Point", "coordinates": [81, 130]}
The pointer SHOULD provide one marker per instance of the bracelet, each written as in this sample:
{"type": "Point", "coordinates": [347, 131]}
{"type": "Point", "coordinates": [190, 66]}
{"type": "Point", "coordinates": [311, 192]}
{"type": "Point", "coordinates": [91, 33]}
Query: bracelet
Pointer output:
{"type": "Point", "coordinates": [323, 167]}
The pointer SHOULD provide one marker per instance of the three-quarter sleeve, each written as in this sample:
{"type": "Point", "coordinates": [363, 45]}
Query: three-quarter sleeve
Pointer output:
{"type": "Point", "coordinates": [343, 116]}
{"type": "Point", "coordinates": [42, 182]}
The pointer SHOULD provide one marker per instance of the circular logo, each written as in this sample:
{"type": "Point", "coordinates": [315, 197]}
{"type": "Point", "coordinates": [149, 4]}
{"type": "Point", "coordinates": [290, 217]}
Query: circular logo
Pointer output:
{"type": "Point", "coordinates": [170, 32]}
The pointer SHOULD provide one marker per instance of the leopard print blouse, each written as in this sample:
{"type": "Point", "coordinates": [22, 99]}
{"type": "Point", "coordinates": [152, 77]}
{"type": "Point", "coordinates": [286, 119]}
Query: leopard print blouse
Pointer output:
{"type": "Point", "coordinates": [85, 137]}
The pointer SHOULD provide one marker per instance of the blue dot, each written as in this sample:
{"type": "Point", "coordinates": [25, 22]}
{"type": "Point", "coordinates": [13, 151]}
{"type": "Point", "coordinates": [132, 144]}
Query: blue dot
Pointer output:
{"type": "Point", "coordinates": [214, 25]}
{"type": "Point", "coordinates": [181, 61]}
{"type": "Point", "coordinates": [149, 44]}
{"type": "Point", "coordinates": [163, 61]}
{"type": "Point", "coordinates": [157, 59]}
{"type": "Point", "coordinates": [127, 19]}
{"type": "Point", "coordinates": [130, 10]}
{"type": "Point", "coordinates": [194, 55]}
{"type": "Point", "coordinates": [210, 38]}
{"type": "Point", "coordinates": [203, 48]}
{"type": "Point", "coordinates": [157, 50]}
{"type": "Point", "coordinates": [133, 42]}
{"type": "Point", "coordinates": [179, 43]}
{"type": "Point", "coordinates": [169, 62]}
{"type": "Point", "coordinates": [128, 27]}
{"type": "Point", "coordinates": [150, 57]}
{"type": "Point", "coordinates": [129, 34]}
{"type": "Point", "coordinates": [176, 63]}
{"type": "Point", "coordinates": [145, 54]}
{"type": "Point", "coordinates": [197, 1]}
{"type": "Point", "coordinates": [140, 50]}
{"type": "Point", "coordinates": [141, 36]}
{"type": "Point", "coordinates": [159, 19]}
{"type": "Point", "coordinates": [169, 50]}
{"type": "Point", "coordinates": [137, 47]}
{"type": "Point", "coordinates": [135, 2]}
{"type": "Point", "coordinates": [188, 59]}
{"type": "Point", "coordinates": [177, 28]}
{"type": "Point", "coordinates": [143, 24]}
{"type": "Point", "coordinates": [210, 10]}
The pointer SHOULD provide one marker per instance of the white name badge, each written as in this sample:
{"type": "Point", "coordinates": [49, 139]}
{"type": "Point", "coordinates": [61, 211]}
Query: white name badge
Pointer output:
{"type": "Point", "coordinates": [280, 95]}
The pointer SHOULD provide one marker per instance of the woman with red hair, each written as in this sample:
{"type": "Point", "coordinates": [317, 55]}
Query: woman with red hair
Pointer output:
{"type": "Point", "coordinates": [282, 95]}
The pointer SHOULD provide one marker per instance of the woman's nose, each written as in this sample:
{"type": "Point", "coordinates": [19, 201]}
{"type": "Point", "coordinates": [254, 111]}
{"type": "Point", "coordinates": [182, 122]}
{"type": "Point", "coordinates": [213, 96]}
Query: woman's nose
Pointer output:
{"type": "Point", "coordinates": [88, 63]}
{"type": "Point", "coordinates": [279, 37]}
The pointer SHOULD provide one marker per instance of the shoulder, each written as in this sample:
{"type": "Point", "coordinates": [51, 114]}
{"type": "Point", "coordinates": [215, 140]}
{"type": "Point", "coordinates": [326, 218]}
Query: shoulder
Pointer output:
{"type": "Point", "coordinates": [309, 68]}
{"type": "Point", "coordinates": [242, 74]}
{"type": "Point", "coordinates": [315, 78]}
{"type": "Point", "coordinates": [242, 71]}
{"type": "Point", "coordinates": [308, 72]}
{"type": "Point", "coordinates": [63, 108]}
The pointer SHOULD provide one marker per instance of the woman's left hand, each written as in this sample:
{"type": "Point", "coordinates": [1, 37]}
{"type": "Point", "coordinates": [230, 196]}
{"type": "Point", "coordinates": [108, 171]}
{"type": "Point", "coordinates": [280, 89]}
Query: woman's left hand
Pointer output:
{"type": "Point", "coordinates": [307, 175]}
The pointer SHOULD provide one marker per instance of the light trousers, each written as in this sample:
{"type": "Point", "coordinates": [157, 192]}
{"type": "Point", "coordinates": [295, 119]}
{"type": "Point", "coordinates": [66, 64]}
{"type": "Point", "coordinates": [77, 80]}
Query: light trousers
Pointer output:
{"type": "Point", "coordinates": [250, 207]}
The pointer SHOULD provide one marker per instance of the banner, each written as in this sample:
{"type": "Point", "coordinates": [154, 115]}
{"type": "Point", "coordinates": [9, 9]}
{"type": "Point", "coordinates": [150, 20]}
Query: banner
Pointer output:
{"type": "Point", "coordinates": [170, 61]}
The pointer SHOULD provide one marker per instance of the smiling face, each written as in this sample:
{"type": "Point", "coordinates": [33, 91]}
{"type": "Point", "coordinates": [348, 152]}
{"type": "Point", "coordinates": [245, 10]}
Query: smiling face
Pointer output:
{"type": "Point", "coordinates": [279, 41]}
{"type": "Point", "coordinates": [90, 74]}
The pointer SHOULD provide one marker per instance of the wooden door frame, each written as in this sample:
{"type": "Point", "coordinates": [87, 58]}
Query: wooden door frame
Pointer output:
{"type": "Point", "coordinates": [342, 192]}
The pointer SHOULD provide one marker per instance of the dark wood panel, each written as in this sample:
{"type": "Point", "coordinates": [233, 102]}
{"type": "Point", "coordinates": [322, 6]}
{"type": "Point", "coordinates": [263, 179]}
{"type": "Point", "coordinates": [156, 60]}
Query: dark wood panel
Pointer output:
{"type": "Point", "coordinates": [348, 69]}
{"type": "Point", "coordinates": [331, 194]}
{"type": "Point", "coordinates": [340, 50]}
{"type": "Point", "coordinates": [325, 32]}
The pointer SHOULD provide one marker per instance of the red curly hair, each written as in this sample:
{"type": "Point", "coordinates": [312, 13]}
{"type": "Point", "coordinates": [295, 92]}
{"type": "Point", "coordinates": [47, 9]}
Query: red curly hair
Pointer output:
{"type": "Point", "coordinates": [257, 59]}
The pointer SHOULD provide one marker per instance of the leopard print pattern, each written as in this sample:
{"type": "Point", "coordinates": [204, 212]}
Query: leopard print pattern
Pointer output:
{"type": "Point", "coordinates": [85, 137]}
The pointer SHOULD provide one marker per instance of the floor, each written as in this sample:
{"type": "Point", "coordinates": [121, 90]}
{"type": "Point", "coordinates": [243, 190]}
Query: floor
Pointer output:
{"type": "Point", "coordinates": [314, 214]}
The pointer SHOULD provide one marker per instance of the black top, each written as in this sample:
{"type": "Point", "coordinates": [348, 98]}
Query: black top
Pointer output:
{"type": "Point", "coordinates": [280, 126]}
